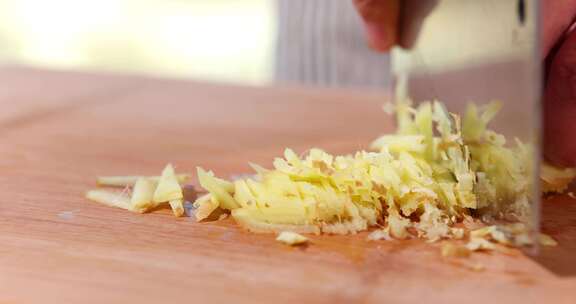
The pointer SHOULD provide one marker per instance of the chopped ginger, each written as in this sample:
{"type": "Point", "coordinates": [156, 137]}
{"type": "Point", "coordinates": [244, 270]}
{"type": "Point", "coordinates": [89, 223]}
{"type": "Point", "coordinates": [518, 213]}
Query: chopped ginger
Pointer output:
{"type": "Point", "coordinates": [546, 240]}
{"type": "Point", "coordinates": [455, 250]}
{"type": "Point", "coordinates": [433, 173]}
{"type": "Point", "coordinates": [515, 234]}
{"type": "Point", "coordinates": [380, 234]}
{"type": "Point", "coordinates": [129, 181]}
{"type": "Point", "coordinates": [478, 243]}
{"type": "Point", "coordinates": [110, 198]}
{"type": "Point", "coordinates": [291, 238]}
{"type": "Point", "coordinates": [177, 206]}
{"type": "Point", "coordinates": [220, 189]}
{"type": "Point", "coordinates": [555, 179]}
{"type": "Point", "coordinates": [147, 192]}
{"type": "Point", "coordinates": [142, 194]}
{"type": "Point", "coordinates": [205, 205]}
{"type": "Point", "coordinates": [438, 172]}
{"type": "Point", "coordinates": [168, 187]}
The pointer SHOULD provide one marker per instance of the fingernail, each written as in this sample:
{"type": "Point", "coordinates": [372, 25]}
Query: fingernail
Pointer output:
{"type": "Point", "coordinates": [380, 38]}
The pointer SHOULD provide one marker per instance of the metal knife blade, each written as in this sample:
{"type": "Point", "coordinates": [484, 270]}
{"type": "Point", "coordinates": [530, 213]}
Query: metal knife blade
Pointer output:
{"type": "Point", "coordinates": [461, 51]}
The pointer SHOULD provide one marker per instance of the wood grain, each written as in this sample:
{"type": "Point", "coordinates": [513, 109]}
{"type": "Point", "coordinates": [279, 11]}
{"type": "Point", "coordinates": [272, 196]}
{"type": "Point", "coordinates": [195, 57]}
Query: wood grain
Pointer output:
{"type": "Point", "coordinates": [59, 130]}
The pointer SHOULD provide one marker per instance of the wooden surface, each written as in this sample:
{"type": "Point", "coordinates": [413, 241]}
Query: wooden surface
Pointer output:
{"type": "Point", "coordinates": [60, 130]}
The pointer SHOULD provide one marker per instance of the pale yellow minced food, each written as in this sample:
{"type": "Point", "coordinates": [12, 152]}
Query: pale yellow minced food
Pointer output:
{"type": "Point", "coordinates": [147, 193]}
{"type": "Point", "coordinates": [455, 250]}
{"type": "Point", "coordinates": [143, 194]}
{"type": "Point", "coordinates": [204, 205]}
{"type": "Point", "coordinates": [477, 243]}
{"type": "Point", "coordinates": [169, 190]}
{"type": "Point", "coordinates": [434, 172]}
{"type": "Point", "coordinates": [555, 179]}
{"type": "Point", "coordinates": [498, 234]}
{"type": "Point", "coordinates": [379, 234]}
{"type": "Point", "coordinates": [514, 234]}
{"type": "Point", "coordinates": [220, 190]}
{"type": "Point", "coordinates": [177, 206]}
{"type": "Point", "coordinates": [129, 181]}
{"type": "Point", "coordinates": [168, 187]}
{"type": "Point", "coordinates": [291, 238]}
{"type": "Point", "coordinates": [546, 240]}
{"type": "Point", "coordinates": [110, 198]}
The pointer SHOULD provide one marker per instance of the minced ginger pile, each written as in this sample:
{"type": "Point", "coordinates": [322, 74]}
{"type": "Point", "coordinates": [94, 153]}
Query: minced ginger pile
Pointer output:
{"type": "Point", "coordinates": [438, 175]}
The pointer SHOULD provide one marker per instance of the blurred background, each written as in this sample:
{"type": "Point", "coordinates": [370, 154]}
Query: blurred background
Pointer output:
{"type": "Point", "coordinates": [224, 40]}
{"type": "Point", "coordinates": [322, 41]}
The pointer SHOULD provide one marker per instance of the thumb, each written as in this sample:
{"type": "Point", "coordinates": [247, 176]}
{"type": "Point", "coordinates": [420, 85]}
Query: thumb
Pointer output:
{"type": "Point", "coordinates": [560, 105]}
{"type": "Point", "coordinates": [380, 21]}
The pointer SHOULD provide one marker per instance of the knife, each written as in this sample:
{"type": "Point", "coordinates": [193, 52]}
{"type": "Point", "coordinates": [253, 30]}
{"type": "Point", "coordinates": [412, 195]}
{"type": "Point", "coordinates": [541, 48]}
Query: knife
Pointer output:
{"type": "Point", "coordinates": [462, 51]}
{"type": "Point", "coordinates": [454, 51]}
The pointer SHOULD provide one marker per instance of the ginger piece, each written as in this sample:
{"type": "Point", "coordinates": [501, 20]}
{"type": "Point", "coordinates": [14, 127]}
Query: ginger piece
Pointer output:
{"type": "Point", "coordinates": [555, 179]}
{"type": "Point", "coordinates": [205, 205]}
{"type": "Point", "coordinates": [110, 198]}
{"type": "Point", "coordinates": [125, 181]}
{"type": "Point", "coordinates": [291, 238]}
{"type": "Point", "coordinates": [143, 194]}
{"type": "Point", "coordinates": [177, 206]}
{"type": "Point", "coordinates": [450, 249]}
{"type": "Point", "coordinates": [169, 190]}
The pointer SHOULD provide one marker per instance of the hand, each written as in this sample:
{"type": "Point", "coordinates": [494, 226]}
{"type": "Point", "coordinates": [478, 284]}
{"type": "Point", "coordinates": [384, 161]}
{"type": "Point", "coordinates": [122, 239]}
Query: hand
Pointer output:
{"type": "Point", "coordinates": [393, 22]}
{"type": "Point", "coordinates": [387, 25]}
{"type": "Point", "coordinates": [381, 21]}
{"type": "Point", "coordinates": [559, 47]}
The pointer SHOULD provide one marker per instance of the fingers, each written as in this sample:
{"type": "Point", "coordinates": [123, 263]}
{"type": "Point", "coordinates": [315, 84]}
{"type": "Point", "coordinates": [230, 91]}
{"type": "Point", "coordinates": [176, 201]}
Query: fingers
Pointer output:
{"type": "Point", "coordinates": [560, 105]}
{"type": "Point", "coordinates": [556, 18]}
{"type": "Point", "coordinates": [381, 22]}
{"type": "Point", "coordinates": [412, 16]}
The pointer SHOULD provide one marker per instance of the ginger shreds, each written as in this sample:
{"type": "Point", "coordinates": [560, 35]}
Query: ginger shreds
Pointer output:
{"type": "Point", "coordinates": [291, 238]}
{"type": "Point", "coordinates": [147, 192]}
{"type": "Point", "coordinates": [143, 194]}
{"type": "Point", "coordinates": [168, 187]}
{"type": "Point", "coordinates": [433, 173]}
{"type": "Point", "coordinates": [129, 181]}
{"type": "Point", "coordinates": [110, 198]}
{"type": "Point", "coordinates": [169, 190]}
{"type": "Point", "coordinates": [205, 205]}
{"type": "Point", "coordinates": [455, 250]}
{"type": "Point", "coordinates": [477, 243]}
{"type": "Point", "coordinates": [177, 206]}
{"type": "Point", "coordinates": [220, 189]}
{"type": "Point", "coordinates": [437, 173]}
{"type": "Point", "coordinates": [546, 240]}
{"type": "Point", "coordinates": [380, 234]}
{"type": "Point", "coordinates": [555, 179]}
{"type": "Point", "coordinates": [515, 234]}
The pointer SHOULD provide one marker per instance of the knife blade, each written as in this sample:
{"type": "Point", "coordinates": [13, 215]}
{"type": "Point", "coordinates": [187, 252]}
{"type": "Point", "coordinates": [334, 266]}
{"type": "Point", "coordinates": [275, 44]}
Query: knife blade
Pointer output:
{"type": "Point", "coordinates": [462, 51]}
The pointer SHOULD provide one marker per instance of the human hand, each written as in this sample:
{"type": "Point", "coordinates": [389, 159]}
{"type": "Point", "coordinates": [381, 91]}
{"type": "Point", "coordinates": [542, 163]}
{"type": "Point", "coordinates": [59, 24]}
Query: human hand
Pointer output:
{"type": "Point", "coordinates": [559, 47]}
{"type": "Point", "coordinates": [387, 24]}
{"type": "Point", "coordinates": [393, 22]}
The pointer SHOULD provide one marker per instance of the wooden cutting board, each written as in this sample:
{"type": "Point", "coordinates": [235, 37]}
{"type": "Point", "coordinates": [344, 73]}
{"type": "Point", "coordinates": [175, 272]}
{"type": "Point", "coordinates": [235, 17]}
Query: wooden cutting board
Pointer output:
{"type": "Point", "coordinates": [59, 130]}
